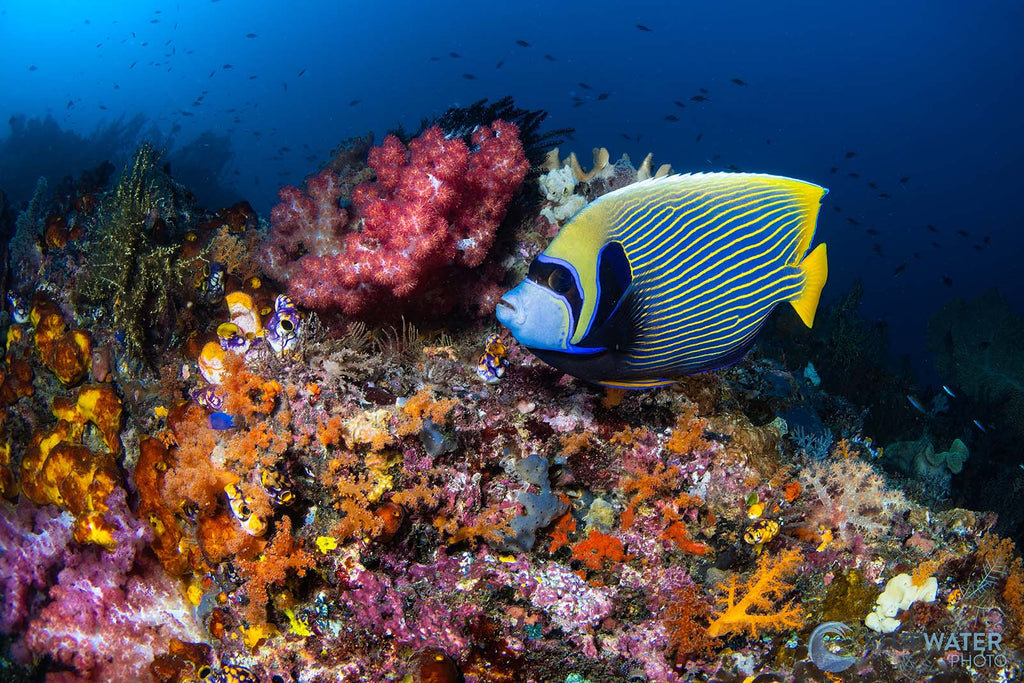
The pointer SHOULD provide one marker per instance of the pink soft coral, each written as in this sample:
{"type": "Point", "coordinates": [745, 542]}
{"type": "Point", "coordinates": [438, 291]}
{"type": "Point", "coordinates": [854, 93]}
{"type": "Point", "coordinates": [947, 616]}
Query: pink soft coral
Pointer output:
{"type": "Point", "coordinates": [110, 611]}
{"type": "Point", "coordinates": [433, 207]}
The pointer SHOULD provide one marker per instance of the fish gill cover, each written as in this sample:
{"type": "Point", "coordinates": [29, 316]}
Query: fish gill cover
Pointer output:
{"type": "Point", "coordinates": [260, 422]}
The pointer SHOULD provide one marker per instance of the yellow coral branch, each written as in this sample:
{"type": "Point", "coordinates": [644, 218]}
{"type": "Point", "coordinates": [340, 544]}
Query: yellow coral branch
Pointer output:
{"type": "Point", "coordinates": [756, 610]}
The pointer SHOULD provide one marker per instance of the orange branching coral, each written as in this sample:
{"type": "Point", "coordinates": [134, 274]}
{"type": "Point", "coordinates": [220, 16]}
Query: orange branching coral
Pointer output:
{"type": "Point", "coordinates": [844, 449]}
{"type": "Point", "coordinates": [598, 549]}
{"type": "Point", "coordinates": [283, 554]}
{"type": "Point", "coordinates": [354, 501]}
{"type": "Point", "coordinates": [247, 394]}
{"type": "Point", "coordinates": [421, 406]}
{"type": "Point", "coordinates": [576, 443]}
{"type": "Point", "coordinates": [757, 611]}
{"type": "Point", "coordinates": [629, 436]}
{"type": "Point", "coordinates": [330, 432]}
{"type": "Point", "coordinates": [482, 530]}
{"type": "Point", "coordinates": [645, 485]}
{"type": "Point", "coordinates": [195, 480]}
{"type": "Point", "coordinates": [564, 526]}
{"type": "Point", "coordinates": [1013, 596]}
{"type": "Point", "coordinates": [422, 495]}
{"type": "Point", "coordinates": [677, 533]}
{"type": "Point", "coordinates": [686, 622]}
{"type": "Point", "coordinates": [688, 436]}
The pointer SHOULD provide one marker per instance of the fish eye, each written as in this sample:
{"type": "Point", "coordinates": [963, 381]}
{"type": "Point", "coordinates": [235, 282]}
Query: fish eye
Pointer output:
{"type": "Point", "coordinates": [560, 281]}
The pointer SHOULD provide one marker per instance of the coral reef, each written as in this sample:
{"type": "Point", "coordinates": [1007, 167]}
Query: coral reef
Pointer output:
{"type": "Point", "coordinates": [284, 494]}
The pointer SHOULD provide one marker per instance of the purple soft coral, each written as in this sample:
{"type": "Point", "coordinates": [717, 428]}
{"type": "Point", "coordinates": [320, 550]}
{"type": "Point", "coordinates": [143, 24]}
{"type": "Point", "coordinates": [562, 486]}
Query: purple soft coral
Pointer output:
{"type": "Point", "coordinates": [110, 611]}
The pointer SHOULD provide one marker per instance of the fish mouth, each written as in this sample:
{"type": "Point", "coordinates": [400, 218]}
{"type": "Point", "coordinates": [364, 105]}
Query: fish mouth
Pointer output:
{"type": "Point", "coordinates": [502, 302]}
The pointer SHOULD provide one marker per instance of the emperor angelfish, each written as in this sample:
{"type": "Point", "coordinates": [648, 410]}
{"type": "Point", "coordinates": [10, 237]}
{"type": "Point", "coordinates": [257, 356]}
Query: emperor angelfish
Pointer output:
{"type": "Point", "coordinates": [669, 277]}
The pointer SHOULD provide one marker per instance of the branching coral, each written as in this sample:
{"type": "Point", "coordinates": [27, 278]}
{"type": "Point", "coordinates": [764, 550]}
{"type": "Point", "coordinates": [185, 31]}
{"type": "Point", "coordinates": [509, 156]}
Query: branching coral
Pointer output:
{"type": "Point", "coordinates": [283, 555]}
{"type": "Point", "coordinates": [757, 611]}
{"type": "Point", "coordinates": [851, 496]}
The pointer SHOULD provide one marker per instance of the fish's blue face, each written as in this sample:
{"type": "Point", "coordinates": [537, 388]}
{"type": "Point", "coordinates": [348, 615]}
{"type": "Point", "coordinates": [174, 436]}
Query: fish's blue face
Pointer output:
{"type": "Point", "coordinates": [541, 312]}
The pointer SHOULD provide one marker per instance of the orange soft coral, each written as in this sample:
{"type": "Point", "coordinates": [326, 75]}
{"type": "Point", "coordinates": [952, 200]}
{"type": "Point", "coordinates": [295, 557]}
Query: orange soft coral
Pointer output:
{"type": "Point", "coordinates": [284, 554]}
{"type": "Point", "coordinates": [688, 435]}
{"type": "Point", "coordinates": [598, 549]}
{"type": "Point", "coordinates": [686, 623]}
{"type": "Point", "coordinates": [756, 612]}
{"type": "Point", "coordinates": [421, 406]}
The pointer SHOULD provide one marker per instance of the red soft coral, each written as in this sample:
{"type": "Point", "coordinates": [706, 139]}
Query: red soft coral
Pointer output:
{"type": "Point", "coordinates": [433, 207]}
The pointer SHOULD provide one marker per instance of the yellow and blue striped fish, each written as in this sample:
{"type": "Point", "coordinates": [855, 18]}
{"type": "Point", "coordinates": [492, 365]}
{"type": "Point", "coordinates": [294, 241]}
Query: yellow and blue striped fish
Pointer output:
{"type": "Point", "coordinates": [669, 277]}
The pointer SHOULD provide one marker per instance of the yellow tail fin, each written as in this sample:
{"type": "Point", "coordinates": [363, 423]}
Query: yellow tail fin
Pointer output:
{"type": "Point", "coordinates": [815, 269]}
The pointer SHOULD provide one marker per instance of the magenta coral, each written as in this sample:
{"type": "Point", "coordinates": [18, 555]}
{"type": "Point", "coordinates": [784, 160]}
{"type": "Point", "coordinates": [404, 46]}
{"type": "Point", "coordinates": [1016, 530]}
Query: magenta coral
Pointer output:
{"type": "Point", "coordinates": [110, 612]}
{"type": "Point", "coordinates": [433, 207]}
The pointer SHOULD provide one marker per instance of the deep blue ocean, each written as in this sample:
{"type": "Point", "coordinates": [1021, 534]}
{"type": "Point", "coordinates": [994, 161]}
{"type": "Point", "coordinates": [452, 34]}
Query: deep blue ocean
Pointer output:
{"type": "Point", "coordinates": [908, 112]}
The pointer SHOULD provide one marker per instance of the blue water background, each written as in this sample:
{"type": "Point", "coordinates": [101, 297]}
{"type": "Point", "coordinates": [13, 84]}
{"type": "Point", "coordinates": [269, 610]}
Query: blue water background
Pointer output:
{"type": "Point", "coordinates": [930, 91]}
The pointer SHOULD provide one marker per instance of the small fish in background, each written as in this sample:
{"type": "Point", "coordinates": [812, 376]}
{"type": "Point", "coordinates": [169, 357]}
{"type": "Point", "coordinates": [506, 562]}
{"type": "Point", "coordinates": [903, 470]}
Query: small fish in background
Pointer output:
{"type": "Point", "coordinates": [227, 66]}
{"type": "Point", "coordinates": [522, 43]}
{"type": "Point", "coordinates": [671, 117]}
{"type": "Point", "coordinates": [703, 90]}
{"type": "Point", "coordinates": [946, 280]}
{"type": "Point", "coordinates": [899, 269]}
{"type": "Point", "coordinates": [877, 249]}
{"type": "Point", "coordinates": [583, 85]}
{"type": "Point", "coordinates": [739, 81]}
{"type": "Point", "coordinates": [33, 68]}
{"type": "Point", "coordinates": [299, 75]}
{"type": "Point", "coordinates": [550, 58]}
{"type": "Point", "coordinates": [936, 245]}
{"type": "Point", "coordinates": [680, 104]}
{"type": "Point", "coordinates": [500, 64]}
{"type": "Point", "coordinates": [872, 232]}
{"type": "Point", "coordinates": [948, 391]}
{"type": "Point", "coordinates": [981, 427]}
{"type": "Point", "coordinates": [852, 221]}
{"type": "Point", "coordinates": [850, 155]}
{"type": "Point", "coordinates": [873, 186]}
{"type": "Point", "coordinates": [626, 137]}
{"type": "Point", "coordinates": [700, 136]}
{"type": "Point", "coordinates": [469, 77]}
{"type": "Point", "coordinates": [597, 303]}
{"type": "Point", "coordinates": [454, 55]}
{"type": "Point", "coordinates": [904, 180]}
{"type": "Point", "coordinates": [353, 103]}
{"type": "Point", "coordinates": [604, 96]}
{"type": "Point", "coordinates": [699, 98]}
{"type": "Point", "coordinates": [931, 228]}
{"type": "Point", "coordinates": [833, 170]}
{"type": "Point", "coordinates": [435, 59]}
{"type": "Point", "coordinates": [251, 35]}
{"type": "Point", "coordinates": [916, 404]}
{"type": "Point", "coordinates": [641, 27]}
{"type": "Point", "coordinates": [884, 195]}
{"type": "Point", "coordinates": [837, 209]}
{"type": "Point", "coordinates": [854, 175]}
{"type": "Point", "coordinates": [962, 233]}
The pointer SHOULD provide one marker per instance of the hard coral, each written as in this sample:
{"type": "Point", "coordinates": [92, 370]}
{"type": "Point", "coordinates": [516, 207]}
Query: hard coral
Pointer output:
{"type": "Point", "coordinates": [433, 207]}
